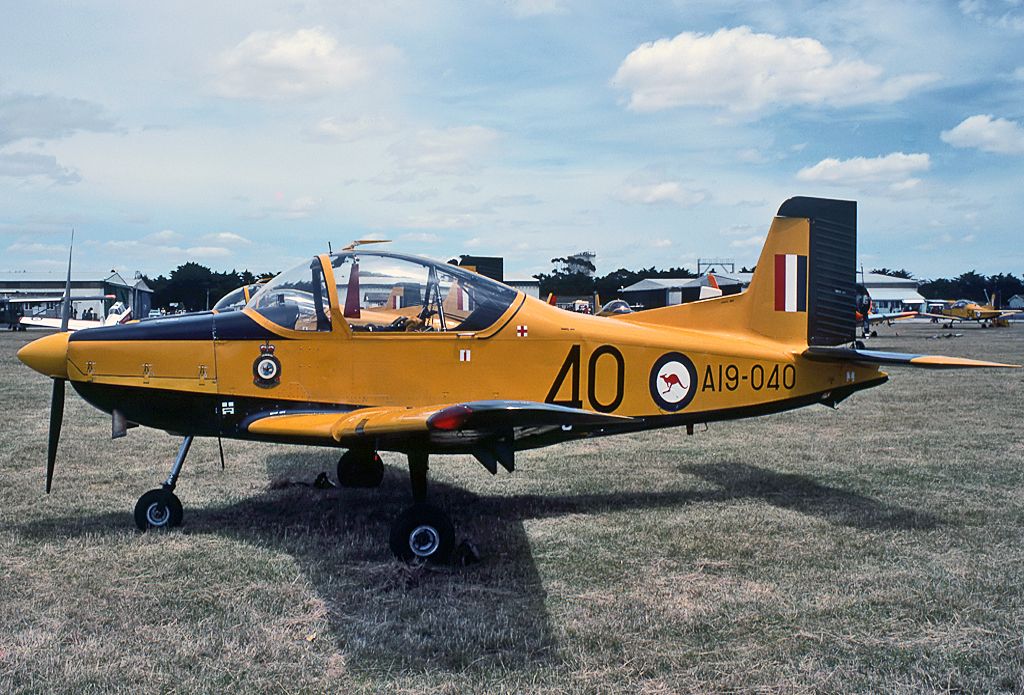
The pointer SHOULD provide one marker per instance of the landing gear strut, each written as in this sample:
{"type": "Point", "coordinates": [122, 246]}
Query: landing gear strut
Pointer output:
{"type": "Point", "coordinates": [160, 508]}
{"type": "Point", "coordinates": [421, 533]}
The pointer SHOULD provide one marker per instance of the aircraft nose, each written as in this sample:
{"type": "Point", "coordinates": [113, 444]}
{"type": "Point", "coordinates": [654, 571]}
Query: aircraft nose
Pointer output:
{"type": "Point", "coordinates": [47, 355]}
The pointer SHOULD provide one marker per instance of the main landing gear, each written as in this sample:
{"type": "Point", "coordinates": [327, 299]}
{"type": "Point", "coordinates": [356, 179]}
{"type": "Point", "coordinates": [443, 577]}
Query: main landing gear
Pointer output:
{"type": "Point", "coordinates": [421, 533]}
{"type": "Point", "coordinates": [360, 468]}
{"type": "Point", "coordinates": [161, 508]}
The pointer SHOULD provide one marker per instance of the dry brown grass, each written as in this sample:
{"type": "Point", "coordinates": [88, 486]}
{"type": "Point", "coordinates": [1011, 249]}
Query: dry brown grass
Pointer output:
{"type": "Point", "coordinates": [877, 548]}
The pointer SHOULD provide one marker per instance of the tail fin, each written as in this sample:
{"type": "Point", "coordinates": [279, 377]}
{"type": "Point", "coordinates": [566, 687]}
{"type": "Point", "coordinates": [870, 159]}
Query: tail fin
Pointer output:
{"type": "Point", "coordinates": [804, 287]}
{"type": "Point", "coordinates": [805, 283]}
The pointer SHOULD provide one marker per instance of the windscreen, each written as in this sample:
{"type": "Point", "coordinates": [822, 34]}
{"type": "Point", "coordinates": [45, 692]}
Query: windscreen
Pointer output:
{"type": "Point", "coordinates": [296, 299]}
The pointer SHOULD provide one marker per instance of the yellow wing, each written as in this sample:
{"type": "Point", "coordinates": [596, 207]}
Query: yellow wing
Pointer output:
{"type": "Point", "coordinates": [486, 429]}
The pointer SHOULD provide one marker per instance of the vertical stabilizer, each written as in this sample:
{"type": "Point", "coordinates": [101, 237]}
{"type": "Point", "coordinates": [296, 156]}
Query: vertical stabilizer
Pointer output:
{"type": "Point", "coordinates": [804, 288]}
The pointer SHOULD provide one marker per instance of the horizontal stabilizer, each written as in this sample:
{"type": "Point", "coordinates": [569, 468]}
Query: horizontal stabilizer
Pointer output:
{"type": "Point", "coordinates": [843, 354]}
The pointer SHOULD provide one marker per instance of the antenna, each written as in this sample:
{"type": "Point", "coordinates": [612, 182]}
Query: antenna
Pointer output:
{"type": "Point", "coordinates": [329, 249]}
{"type": "Point", "coordinates": [363, 242]}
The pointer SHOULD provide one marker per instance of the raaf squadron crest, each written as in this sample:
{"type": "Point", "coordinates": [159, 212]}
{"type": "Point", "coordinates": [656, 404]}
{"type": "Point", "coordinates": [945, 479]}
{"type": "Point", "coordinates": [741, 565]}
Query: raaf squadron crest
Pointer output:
{"type": "Point", "coordinates": [266, 370]}
{"type": "Point", "coordinates": [673, 381]}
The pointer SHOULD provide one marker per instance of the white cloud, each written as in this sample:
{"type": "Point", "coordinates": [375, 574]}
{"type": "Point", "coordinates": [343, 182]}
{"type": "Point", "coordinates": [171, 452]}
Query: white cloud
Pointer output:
{"type": "Point", "coordinates": [441, 220]}
{"type": "Point", "coordinates": [334, 129]}
{"type": "Point", "coordinates": [226, 238]}
{"type": "Point", "coordinates": [1018, 74]}
{"type": "Point", "coordinates": [662, 192]}
{"type": "Point", "coordinates": [535, 8]}
{"type": "Point", "coordinates": [756, 241]}
{"type": "Point", "coordinates": [208, 251]}
{"type": "Point", "coordinates": [164, 236]}
{"type": "Point", "coordinates": [1001, 14]}
{"type": "Point", "coordinates": [302, 207]}
{"type": "Point", "coordinates": [146, 248]}
{"type": "Point", "coordinates": [47, 117]}
{"type": "Point", "coordinates": [420, 238]}
{"type": "Point", "coordinates": [744, 72]}
{"type": "Point", "coordinates": [286, 65]}
{"type": "Point", "coordinates": [36, 247]}
{"type": "Point", "coordinates": [25, 165]}
{"type": "Point", "coordinates": [988, 134]}
{"type": "Point", "coordinates": [445, 151]}
{"type": "Point", "coordinates": [893, 170]}
{"type": "Point", "coordinates": [299, 208]}
{"type": "Point", "coordinates": [418, 196]}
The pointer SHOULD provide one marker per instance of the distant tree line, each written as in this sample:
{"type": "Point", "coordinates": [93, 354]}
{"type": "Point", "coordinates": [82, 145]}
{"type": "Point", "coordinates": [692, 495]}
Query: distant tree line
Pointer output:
{"type": "Point", "coordinates": [969, 285]}
{"type": "Point", "coordinates": [580, 283]}
{"type": "Point", "coordinates": [195, 287]}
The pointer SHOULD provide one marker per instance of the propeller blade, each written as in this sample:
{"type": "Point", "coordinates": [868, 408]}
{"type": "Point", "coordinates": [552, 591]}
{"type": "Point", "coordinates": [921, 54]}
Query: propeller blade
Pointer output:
{"type": "Point", "coordinates": [56, 420]}
{"type": "Point", "coordinates": [65, 311]}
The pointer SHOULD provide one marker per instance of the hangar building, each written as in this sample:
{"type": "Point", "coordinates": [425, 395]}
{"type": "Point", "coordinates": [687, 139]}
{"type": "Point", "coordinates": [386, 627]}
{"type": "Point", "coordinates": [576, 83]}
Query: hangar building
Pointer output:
{"type": "Point", "coordinates": [657, 292]}
{"type": "Point", "coordinates": [892, 294]}
{"type": "Point", "coordinates": [39, 293]}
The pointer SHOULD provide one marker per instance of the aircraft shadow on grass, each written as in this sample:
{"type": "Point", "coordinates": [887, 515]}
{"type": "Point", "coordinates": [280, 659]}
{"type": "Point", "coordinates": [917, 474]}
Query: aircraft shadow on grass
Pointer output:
{"type": "Point", "coordinates": [386, 616]}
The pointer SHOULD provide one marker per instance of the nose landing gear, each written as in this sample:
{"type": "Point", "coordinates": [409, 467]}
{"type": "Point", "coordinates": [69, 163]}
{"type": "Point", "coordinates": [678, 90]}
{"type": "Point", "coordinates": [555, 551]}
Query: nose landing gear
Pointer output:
{"type": "Point", "coordinates": [160, 508]}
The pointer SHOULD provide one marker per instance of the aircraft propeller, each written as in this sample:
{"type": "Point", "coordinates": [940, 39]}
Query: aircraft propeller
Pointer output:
{"type": "Point", "coordinates": [57, 396]}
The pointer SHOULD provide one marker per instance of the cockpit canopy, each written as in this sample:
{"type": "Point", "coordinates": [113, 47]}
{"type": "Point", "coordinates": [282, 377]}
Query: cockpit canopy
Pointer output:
{"type": "Point", "coordinates": [383, 292]}
{"type": "Point", "coordinates": [237, 298]}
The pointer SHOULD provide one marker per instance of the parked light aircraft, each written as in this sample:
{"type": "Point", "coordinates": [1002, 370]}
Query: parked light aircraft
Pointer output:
{"type": "Point", "coordinates": [118, 313]}
{"type": "Point", "coordinates": [966, 310]}
{"type": "Point", "coordinates": [504, 373]}
{"type": "Point", "coordinates": [868, 317]}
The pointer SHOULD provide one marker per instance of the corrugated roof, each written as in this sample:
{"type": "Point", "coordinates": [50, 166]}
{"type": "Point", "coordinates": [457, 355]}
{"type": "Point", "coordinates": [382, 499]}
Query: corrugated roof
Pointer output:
{"type": "Point", "coordinates": [895, 294]}
{"type": "Point", "coordinates": [875, 280]}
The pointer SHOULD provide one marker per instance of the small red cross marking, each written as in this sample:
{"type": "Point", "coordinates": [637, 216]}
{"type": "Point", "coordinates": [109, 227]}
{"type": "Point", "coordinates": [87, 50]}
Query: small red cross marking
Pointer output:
{"type": "Point", "coordinates": [521, 331]}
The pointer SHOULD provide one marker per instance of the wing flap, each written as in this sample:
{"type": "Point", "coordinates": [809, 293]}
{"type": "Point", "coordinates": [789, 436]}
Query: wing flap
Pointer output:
{"type": "Point", "coordinates": [841, 354]}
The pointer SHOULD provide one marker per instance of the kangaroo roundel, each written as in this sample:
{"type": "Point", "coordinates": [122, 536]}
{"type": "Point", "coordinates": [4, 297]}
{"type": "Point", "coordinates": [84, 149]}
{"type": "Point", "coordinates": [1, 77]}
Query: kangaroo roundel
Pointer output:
{"type": "Point", "coordinates": [673, 381]}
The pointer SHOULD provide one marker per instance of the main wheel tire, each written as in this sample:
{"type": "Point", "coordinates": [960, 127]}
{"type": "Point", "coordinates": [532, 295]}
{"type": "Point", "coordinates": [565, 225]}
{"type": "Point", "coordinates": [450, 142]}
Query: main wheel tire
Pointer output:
{"type": "Point", "coordinates": [158, 509]}
{"type": "Point", "coordinates": [422, 533]}
{"type": "Point", "coordinates": [360, 468]}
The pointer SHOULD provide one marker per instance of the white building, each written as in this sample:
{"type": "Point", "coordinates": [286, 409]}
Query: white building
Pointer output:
{"type": "Point", "coordinates": [892, 294]}
{"type": "Point", "coordinates": [39, 293]}
{"type": "Point", "coordinates": [529, 287]}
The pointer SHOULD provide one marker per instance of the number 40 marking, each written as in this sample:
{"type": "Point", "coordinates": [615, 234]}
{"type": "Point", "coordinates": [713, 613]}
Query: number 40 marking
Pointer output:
{"type": "Point", "coordinates": [571, 369]}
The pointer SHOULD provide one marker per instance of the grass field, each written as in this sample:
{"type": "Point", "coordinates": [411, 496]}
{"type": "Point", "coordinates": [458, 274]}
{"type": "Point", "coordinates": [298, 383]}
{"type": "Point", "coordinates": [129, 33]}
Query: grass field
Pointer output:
{"type": "Point", "coordinates": [879, 547]}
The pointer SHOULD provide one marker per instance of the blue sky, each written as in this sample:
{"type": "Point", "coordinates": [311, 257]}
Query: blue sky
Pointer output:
{"type": "Point", "coordinates": [248, 136]}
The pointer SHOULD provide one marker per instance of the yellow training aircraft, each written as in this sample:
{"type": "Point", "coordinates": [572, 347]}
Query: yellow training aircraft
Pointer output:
{"type": "Point", "coordinates": [966, 310]}
{"type": "Point", "coordinates": [487, 372]}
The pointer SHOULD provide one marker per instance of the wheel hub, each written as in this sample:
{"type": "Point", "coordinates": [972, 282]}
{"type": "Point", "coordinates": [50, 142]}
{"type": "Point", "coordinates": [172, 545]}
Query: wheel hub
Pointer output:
{"type": "Point", "coordinates": [157, 514]}
{"type": "Point", "coordinates": [424, 541]}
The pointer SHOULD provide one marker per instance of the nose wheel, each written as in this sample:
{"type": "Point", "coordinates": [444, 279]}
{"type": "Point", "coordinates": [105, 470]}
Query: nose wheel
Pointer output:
{"type": "Point", "coordinates": [158, 509]}
{"type": "Point", "coordinates": [161, 508]}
